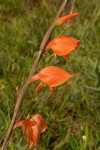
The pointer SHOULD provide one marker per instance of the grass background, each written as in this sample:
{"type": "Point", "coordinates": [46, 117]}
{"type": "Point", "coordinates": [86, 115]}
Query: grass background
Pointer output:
{"type": "Point", "coordinates": [74, 111]}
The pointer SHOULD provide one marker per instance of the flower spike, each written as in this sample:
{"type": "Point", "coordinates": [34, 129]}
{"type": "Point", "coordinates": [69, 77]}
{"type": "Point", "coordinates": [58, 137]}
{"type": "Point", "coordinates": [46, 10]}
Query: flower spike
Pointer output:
{"type": "Point", "coordinates": [51, 76]}
{"type": "Point", "coordinates": [66, 18]}
{"type": "Point", "coordinates": [63, 45]}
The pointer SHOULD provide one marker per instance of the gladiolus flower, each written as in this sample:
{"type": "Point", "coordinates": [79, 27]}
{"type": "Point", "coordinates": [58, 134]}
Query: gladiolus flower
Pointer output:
{"type": "Point", "coordinates": [63, 45]}
{"type": "Point", "coordinates": [63, 19]}
{"type": "Point", "coordinates": [32, 128]}
{"type": "Point", "coordinates": [51, 76]}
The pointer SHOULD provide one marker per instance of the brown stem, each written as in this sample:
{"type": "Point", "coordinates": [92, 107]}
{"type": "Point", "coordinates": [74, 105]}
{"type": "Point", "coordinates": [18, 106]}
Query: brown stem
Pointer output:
{"type": "Point", "coordinates": [28, 81]}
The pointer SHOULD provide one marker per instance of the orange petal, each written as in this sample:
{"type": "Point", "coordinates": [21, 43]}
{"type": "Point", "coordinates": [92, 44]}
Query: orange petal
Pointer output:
{"type": "Point", "coordinates": [52, 89]}
{"type": "Point", "coordinates": [40, 122]}
{"type": "Point", "coordinates": [38, 87]}
{"type": "Point", "coordinates": [19, 124]}
{"type": "Point", "coordinates": [29, 136]}
{"type": "Point", "coordinates": [54, 76]}
{"type": "Point", "coordinates": [36, 134]}
{"type": "Point", "coordinates": [63, 45]}
{"type": "Point", "coordinates": [66, 57]}
{"type": "Point", "coordinates": [66, 18]}
{"type": "Point", "coordinates": [32, 134]}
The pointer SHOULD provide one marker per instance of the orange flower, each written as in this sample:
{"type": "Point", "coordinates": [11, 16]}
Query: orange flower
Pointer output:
{"type": "Point", "coordinates": [32, 128]}
{"type": "Point", "coordinates": [66, 18]}
{"type": "Point", "coordinates": [51, 76]}
{"type": "Point", "coordinates": [63, 45]}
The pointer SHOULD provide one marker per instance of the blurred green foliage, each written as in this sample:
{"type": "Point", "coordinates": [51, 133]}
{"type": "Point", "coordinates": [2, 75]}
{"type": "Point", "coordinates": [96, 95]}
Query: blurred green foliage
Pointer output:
{"type": "Point", "coordinates": [74, 110]}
